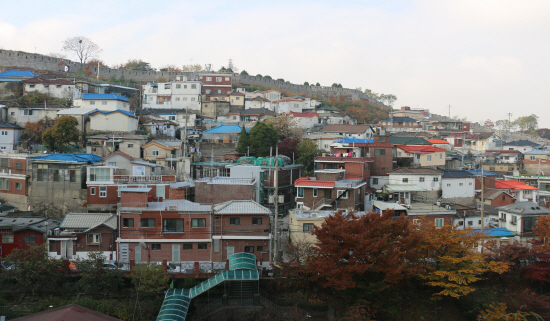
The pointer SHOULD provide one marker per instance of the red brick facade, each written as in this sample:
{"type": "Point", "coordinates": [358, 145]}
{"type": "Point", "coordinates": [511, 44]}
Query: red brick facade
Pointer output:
{"type": "Point", "coordinates": [216, 83]}
{"type": "Point", "coordinates": [112, 193]}
{"type": "Point", "coordinates": [19, 241]}
{"type": "Point", "coordinates": [219, 193]}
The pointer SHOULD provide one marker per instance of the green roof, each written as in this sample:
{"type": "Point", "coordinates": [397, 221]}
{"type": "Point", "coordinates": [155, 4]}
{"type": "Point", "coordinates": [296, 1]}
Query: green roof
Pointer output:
{"type": "Point", "coordinates": [242, 261]}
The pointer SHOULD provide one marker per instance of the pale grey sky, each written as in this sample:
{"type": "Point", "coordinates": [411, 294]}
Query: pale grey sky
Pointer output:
{"type": "Point", "coordinates": [484, 58]}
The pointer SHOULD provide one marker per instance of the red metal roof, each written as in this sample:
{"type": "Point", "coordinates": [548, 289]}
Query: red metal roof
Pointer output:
{"type": "Point", "coordinates": [513, 185]}
{"type": "Point", "coordinates": [344, 159]}
{"type": "Point", "coordinates": [311, 181]}
{"type": "Point", "coordinates": [437, 141]}
{"type": "Point", "coordinates": [420, 149]}
{"type": "Point", "coordinates": [314, 114]}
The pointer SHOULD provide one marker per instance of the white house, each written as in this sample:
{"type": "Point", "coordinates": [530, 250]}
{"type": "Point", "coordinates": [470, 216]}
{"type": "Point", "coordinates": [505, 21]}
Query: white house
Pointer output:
{"type": "Point", "coordinates": [287, 105]}
{"type": "Point", "coordinates": [458, 186]}
{"type": "Point", "coordinates": [175, 94]}
{"type": "Point", "coordinates": [258, 103]}
{"type": "Point", "coordinates": [105, 102]}
{"type": "Point", "coordinates": [520, 218]}
{"type": "Point", "coordinates": [10, 136]}
{"type": "Point", "coordinates": [55, 88]}
{"type": "Point", "coordinates": [305, 120]}
{"type": "Point", "coordinates": [404, 181]}
{"type": "Point", "coordinates": [116, 120]}
{"type": "Point", "coordinates": [520, 145]}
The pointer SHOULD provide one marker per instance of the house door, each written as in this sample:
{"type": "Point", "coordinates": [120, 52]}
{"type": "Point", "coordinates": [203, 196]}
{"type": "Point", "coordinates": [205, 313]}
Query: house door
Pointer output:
{"type": "Point", "coordinates": [138, 253]}
{"type": "Point", "coordinates": [175, 252]}
{"type": "Point", "coordinates": [63, 249]}
{"type": "Point", "coordinates": [70, 249]}
{"type": "Point", "coordinates": [123, 252]}
{"type": "Point", "coordinates": [328, 194]}
{"type": "Point", "coordinates": [160, 191]}
{"type": "Point", "coordinates": [230, 251]}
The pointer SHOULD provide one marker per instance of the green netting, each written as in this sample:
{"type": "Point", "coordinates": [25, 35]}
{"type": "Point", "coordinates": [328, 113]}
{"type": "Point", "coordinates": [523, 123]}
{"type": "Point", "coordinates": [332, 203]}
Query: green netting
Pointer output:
{"type": "Point", "coordinates": [239, 261]}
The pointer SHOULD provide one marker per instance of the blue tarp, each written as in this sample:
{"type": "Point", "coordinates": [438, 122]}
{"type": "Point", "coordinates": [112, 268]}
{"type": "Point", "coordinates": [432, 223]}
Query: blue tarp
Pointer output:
{"type": "Point", "coordinates": [477, 172]}
{"type": "Point", "coordinates": [71, 157]}
{"type": "Point", "coordinates": [17, 74]}
{"type": "Point", "coordinates": [496, 232]}
{"type": "Point", "coordinates": [356, 140]}
{"type": "Point", "coordinates": [104, 97]}
{"type": "Point", "coordinates": [225, 129]}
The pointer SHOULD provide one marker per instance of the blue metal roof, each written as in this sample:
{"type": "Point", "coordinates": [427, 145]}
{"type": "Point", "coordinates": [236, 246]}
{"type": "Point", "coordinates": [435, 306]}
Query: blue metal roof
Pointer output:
{"type": "Point", "coordinates": [496, 232]}
{"type": "Point", "coordinates": [356, 140]}
{"type": "Point", "coordinates": [225, 129]}
{"type": "Point", "coordinates": [71, 157]}
{"type": "Point", "coordinates": [17, 73]}
{"type": "Point", "coordinates": [104, 97]}
{"type": "Point", "coordinates": [521, 142]}
{"type": "Point", "coordinates": [477, 172]}
{"type": "Point", "coordinates": [127, 113]}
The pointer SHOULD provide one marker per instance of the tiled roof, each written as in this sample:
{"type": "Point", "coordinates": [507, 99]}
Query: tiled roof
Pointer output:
{"type": "Point", "coordinates": [87, 220]}
{"type": "Point", "coordinates": [165, 143]}
{"type": "Point", "coordinates": [127, 113]}
{"type": "Point", "coordinates": [514, 185]}
{"type": "Point", "coordinates": [418, 170]}
{"type": "Point", "coordinates": [71, 157]}
{"type": "Point", "coordinates": [37, 224]}
{"type": "Point", "coordinates": [309, 115]}
{"type": "Point", "coordinates": [118, 152]}
{"type": "Point", "coordinates": [225, 129]}
{"type": "Point", "coordinates": [525, 208]}
{"type": "Point", "coordinates": [437, 141]}
{"type": "Point", "coordinates": [536, 152]}
{"type": "Point", "coordinates": [104, 97]}
{"type": "Point", "coordinates": [240, 207]}
{"type": "Point", "coordinates": [10, 126]}
{"type": "Point", "coordinates": [350, 129]}
{"type": "Point", "coordinates": [68, 312]}
{"type": "Point", "coordinates": [40, 80]}
{"type": "Point", "coordinates": [76, 111]}
{"type": "Point", "coordinates": [344, 159]}
{"type": "Point", "coordinates": [521, 143]}
{"type": "Point", "coordinates": [286, 100]}
{"type": "Point", "coordinates": [492, 193]}
{"type": "Point", "coordinates": [420, 149]}
{"type": "Point", "coordinates": [308, 181]}
{"type": "Point", "coordinates": [456, 173]}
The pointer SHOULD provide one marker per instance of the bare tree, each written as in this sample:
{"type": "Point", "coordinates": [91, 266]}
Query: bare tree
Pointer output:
{"type": "Point", "coordinates": [82, 46]}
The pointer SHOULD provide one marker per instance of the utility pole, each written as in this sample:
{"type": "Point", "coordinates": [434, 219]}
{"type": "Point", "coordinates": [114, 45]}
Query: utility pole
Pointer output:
{"type": "Point", "coordinates": [247, 151]}
{"type": "Point", "coordinates": [509, 125]}
{"type": "Point", "coordinates": [482, 203]}
{"type": "Point", "coordinates": [449, 111]}
{"type": "Point", "coordinates": [276, 201]}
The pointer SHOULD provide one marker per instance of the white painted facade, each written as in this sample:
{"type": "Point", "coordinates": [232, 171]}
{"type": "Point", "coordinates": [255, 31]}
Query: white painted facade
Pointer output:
{"type": "Point", "coordinates": [103, 104]}
{"type": "Point", "coordinates": [115, 121]}
{"type": "Point", "coordinates": [9, 138]}
{"type": "Point", "coordinates": [458, 187]}
{"type": "Point", "coordinates": [429, 182]}
{"type": "Point", "coordinates": [379, 181]}
{"type": "Point", "coordinates": [306, 122]}
{"type": "Point", "coordinates": [474, 222]}
{"type": "Point", "coordinates": [54, 91]}
{"type": "Point", "coordinates": [249, 104]}
{"type": "Point", "coordinates": [175, 94]}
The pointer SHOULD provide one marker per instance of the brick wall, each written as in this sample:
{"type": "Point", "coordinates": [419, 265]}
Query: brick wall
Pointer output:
{"type": "Point", "coordinates": [133, 197]}
{"type": "Point", "coordinates": [489, 182]}
{"type": "Point", "coordinates": [223, 226]}
{"type": "Point", "coordinates": [21, 162]}
{"type": "Point", "coordinates": [106, 243]}
{"type": "Point", "coordinates": [355, 196]}
{"type": "Point", "coordinates": [262, 253]}
{"type": "Point", "coordinates": [330, 176]}
{"type": "Point", "coordinates": [178, 193]}
{"type": "Point", "coordinates": [499, 201]}
{"type": "Point", "coordinates": [112, 194]}
{"type": "Point", "coordinates": [19, 241]}
{"type": "Point", "coordinates": [13, 187]}
{"type": "Point", "coordinates": [165, 252]}
{"type": "Point", "coordinates": [219, 193]}
{"type": "Point", "coordinates": [357, 171]}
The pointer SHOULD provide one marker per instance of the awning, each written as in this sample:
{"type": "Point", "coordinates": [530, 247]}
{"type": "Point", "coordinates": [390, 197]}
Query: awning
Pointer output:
{"type": "Point", "coordinates": [403, 188]}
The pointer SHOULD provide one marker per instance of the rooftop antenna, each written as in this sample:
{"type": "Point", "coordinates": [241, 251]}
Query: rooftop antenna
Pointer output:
{"type": "Point", "coordinates": [208, 67]}
{"type": "Point", "coordinates": [230, 64]}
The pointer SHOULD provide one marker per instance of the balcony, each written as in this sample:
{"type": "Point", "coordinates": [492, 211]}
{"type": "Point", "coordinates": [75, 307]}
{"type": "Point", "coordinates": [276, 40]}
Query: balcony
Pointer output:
{"type": "Point", "coordinates": [129, 179]}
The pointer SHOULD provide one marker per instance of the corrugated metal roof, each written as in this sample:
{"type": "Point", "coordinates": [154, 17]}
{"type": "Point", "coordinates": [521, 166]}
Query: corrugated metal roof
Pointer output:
{"type": "Point", "coordinates": [240, 207]}
{"type": "Point", "coordinates": [71, 157]}
{"type": "Point", "coordinates": [225, 129]}
{"type": "Point", "coordinates": [104, 97]}
{"type": "Point", "coordinates": [10, 126]}
{"type": "Point", "coordinates": [87, 220]}
{"type": "Point", "coordinates": [76, 111]}
{"type": "Point", "coordinates": [388, 206]}
{"type": "Point", "coordinates": [127, 113]}
{"type": "Point", "coordinates": [524, 208]}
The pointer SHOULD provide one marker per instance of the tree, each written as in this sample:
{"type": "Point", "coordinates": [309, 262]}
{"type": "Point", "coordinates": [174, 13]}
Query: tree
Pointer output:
{"type": "Point", "coordinates": [191, 68]}
{"type": "Point", "coordinates": [96, 278]}
{"type": "Point", "coordinates": [244, 73]}
{"type": "Point", "coordinates": [259, 75]}
{"type": "Point", "coordinates": [33, 131]}
{"type": "Point", "coordinates": [262, 138]}
{"type": "Point", "coordinates": [138, 65]}
{"type": "Point", "coordinates": [32, 268]}
{"type": "Point", "coordinates": [357, 250]}
{"type": "Point", "coordinates": [267, 77]}
{"type": "Point", "coordinates": [447, 260]}
{"type": "Point", "coordinates": [94, 62]}
{"type": "Point", "coordinates": [504, 124]}
{"type": "Point", "coordinates": [336, 85]}
{"type": "Point", "coordinates": [83, 47]}
{"type": "Point", "coordinates": [306, 83]}
{"type": "Point", "coordinates": [288, 147]}
{"type": "Point", "coordinates": [539, 267]}
{"type": "Point", "coordinates": [280, 79]}
{"type": "Point", "coordinates": [317, 84]}
{"type": "Point", "coordinates": [64, 132]}
{"type": "Point", "coordinates": [244, 142]}
{"type": "Point", "coordinates": [307, 151]}
{"type": "Point", "coordinates": [149, 278]}
{"type": "Point", "coordinates": [388, 99]}
{"type": "Point", "coordinates": [527, 123]}
{"type": "Point", "coordinates": [286, 126]}
{"type": "Point", "coordinates": [498, 313]}
{"type": "Point", "coordinates": [489, 124]}
{"type": "Point", "coordinates": [372, 94]}
{"type": "Point", "coordinates": [171, 68]}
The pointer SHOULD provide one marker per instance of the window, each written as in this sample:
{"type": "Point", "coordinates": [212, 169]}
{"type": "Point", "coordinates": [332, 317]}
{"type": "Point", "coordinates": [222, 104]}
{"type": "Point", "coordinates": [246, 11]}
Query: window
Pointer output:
{"type": "Point", "coordinates": [92, 190]}
{"type": "Point", "coordinates": [343, 194]}
{"type": "Point", "coordinates": [503, 197]}
{"type": "Point", "coordinates": [208, 78]}
{"type": "Point", "coordinates": [203, 246]}
{"type": "Point", "coordinates": [92, 238]}
{"type": "Point", "coordinates": [380, 152]}
{"type": "Point", "coordinates": [184, 98]}
{"type": "Point", "coordinates": [219, 91]}
{"type": "Point", "coordinates": [147, 222]}
{"type": "Point", "coordinates": [111, 163]}
{"type": "Point", "coordinates": [479, 222]}
{"type": "Point", "coordinates": [155, 153]}
{"type": "Point", "coordinates": [92, 102]}
{"type": "Point", "coordinates": [178, 86]}
{"type": "Point", "coordinates": [460, 184]}
{"type": "Point", "coordinates": [532, 158]}
{"type": "Point", "coordinates": [226, 78]}
{"type": "Point", "coordinates": [173, 225]}
{"type": "Point", "coordinates": [4, 133]}
{"type": "Point", "coordinates": [4, 183]}
{"type": "Point", "coordinates": [177, 99]}
{"type": "Point", "coordinates": [130, 145]}
{"type": "Point", "coordinates": [198, 222]}
{"type": "Point", "coordinates": [429, 158]}
{"type": "Point", "coordinates": [504, 216]}
{"type": "Point", "coordinates": [256, 221]}
{"type": "Point", "coordinates": [155, 247]}
{"type": "Point", "coordinates": [440, 155]}
{"type": "Point", "coordinates": [421, 179]}
{"type": "Point", "coordinates": [259, 248]}
{"type": "Point", "coordinates": [18, 186]}
{"type": "Point", "coordinates": [436, 179]}
{"type": "Point", "coordinates": [470, 223]}
{"type": "Point", "coordinates": [514, 218]}
{"type": "Point", "coordinates": [218, 79]}
{"type": "Point", "coordinates": [188, 246]}
{"type": "Point", "coordinates": [418, 156]}
{"type": "Point", "coordinates": [18, 165]}
{"type": "Point", "coordinates": [438, 222]}
{"type": "Point", "coordinates": [461, 223]}
{"type": "Point", "coordinates": [300, 192]}
{"type": "Point", "coordinates": [100, 174]}
{"type": "Point", "coordinates": [528, 223]}
{"type": "Point", "coordinates": [103, 102]}
{"type": "Point", "coordinates": [194, 86]}
{"type": "Point", "coordinates": [7, 238]}
{"type": "Point", "coordinates": [30, 238]}
{"type": "Point", "coordinates": [398, 153]}
{"type": "Point", "coordinates": [448, 185]}
{"type": "Point", "coordinates": [405, 180]}
{"type": "Point", "coordinates": [103, 191]}
{"type": "Point", "coordinates": [31, 86]}
{"type": "Point", "coordinates": [249, 249]}
{"type": "Point", "coordinates": [308, 227]}
{"type": "Point", "coordinates": [234, 221]}
{"type": "Point", "coordinates": [127, 222]}
{"type": "Point", "coordinates": [314, 192]}
{"type": "Point", "coordinates": [375, 181]}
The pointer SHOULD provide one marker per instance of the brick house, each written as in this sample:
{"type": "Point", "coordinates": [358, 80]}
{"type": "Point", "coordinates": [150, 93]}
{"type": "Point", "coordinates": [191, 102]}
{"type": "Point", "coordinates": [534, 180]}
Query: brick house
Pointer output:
{"type": "Point", "coordinates": [329, 189]}
{"type": "Point", "coordinates": [222, 189]}
{"type": "Point", "coordinates": [23, 232]}
{"type": "Point", "coordinates": [214, 83]}
{"type": "Point", "coordinates": [82, 233]}
{"type": "Point", "coordinates": [495, 197]}
{"type": "Point", "coordinates": [354, 167]}
{"type": "Point", "coordinates": [414, 156]}
{"type": "Point", "coordinates": [173, 230]}
{"type": "Point", "coordinates": [14, 178]}
{"type": "Point", "coordinates": [241, 226]}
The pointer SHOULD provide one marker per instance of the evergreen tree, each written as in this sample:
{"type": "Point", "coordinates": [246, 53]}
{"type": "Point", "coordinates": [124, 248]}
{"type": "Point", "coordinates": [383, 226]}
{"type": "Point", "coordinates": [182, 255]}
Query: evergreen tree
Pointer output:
{"type": "Point", "coordinates": [244, 142]}
{"type": "Point", "coordinates": [262, 138]}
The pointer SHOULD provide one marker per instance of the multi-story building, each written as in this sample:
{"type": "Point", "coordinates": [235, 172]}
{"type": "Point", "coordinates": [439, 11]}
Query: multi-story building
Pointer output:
{"type": "Point", "coordinates": [520, 218]}
{"type": "Point", "coordinates": [400, 124]}
{"type": "Point", "coordinates": [214, 83]}
{"type": "Point", "coordinates": [55, 88]}
{"type": "Point", "coordinates": [458, 186]}
{"type": "Point", "coordinates": [15, 170]}
{"type": "Point", "coordinates": [421, 182]}
{"type": "Point", "coordinates": [104, 102]}
{"type": "Point", "coordinates": [420, 156]}
{"type": "Point", "coordinates": [10, 136]}
{"type": "Point", "coordinates": [520, 145]}
{"type": "Point", "coordinates": [519, 190]}
{"type": "Point", "coordinates": [175, 94]}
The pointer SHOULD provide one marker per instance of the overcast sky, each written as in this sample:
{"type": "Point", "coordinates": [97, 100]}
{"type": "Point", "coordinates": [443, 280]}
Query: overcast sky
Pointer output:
{"type": "Point", "coordinates": [483, 58]}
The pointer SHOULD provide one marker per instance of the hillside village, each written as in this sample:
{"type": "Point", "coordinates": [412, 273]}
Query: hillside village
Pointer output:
{"type": "Point", "coordinates": [195, 168]}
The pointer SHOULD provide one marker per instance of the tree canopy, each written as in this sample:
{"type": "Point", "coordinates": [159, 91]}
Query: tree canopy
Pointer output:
{"type": "Point", "coordinates": [137, 65]}
{"type": "Point", "coordinates": [244, 73]}
{"type": "Point", "coordinates": [64, 132]}
{"type": "Point", "coordinates": [289, 147]}
{"type": "Point", "coordinates": [286, 126]}
{"type": "Point", "coordinates": [262, 138]}
{"type": "Point", "coordinates": [244, 142]}
{"type": "Point", "coordinates": [307, 151]}
{"type": "Point", "coordinates": [83, 47]}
